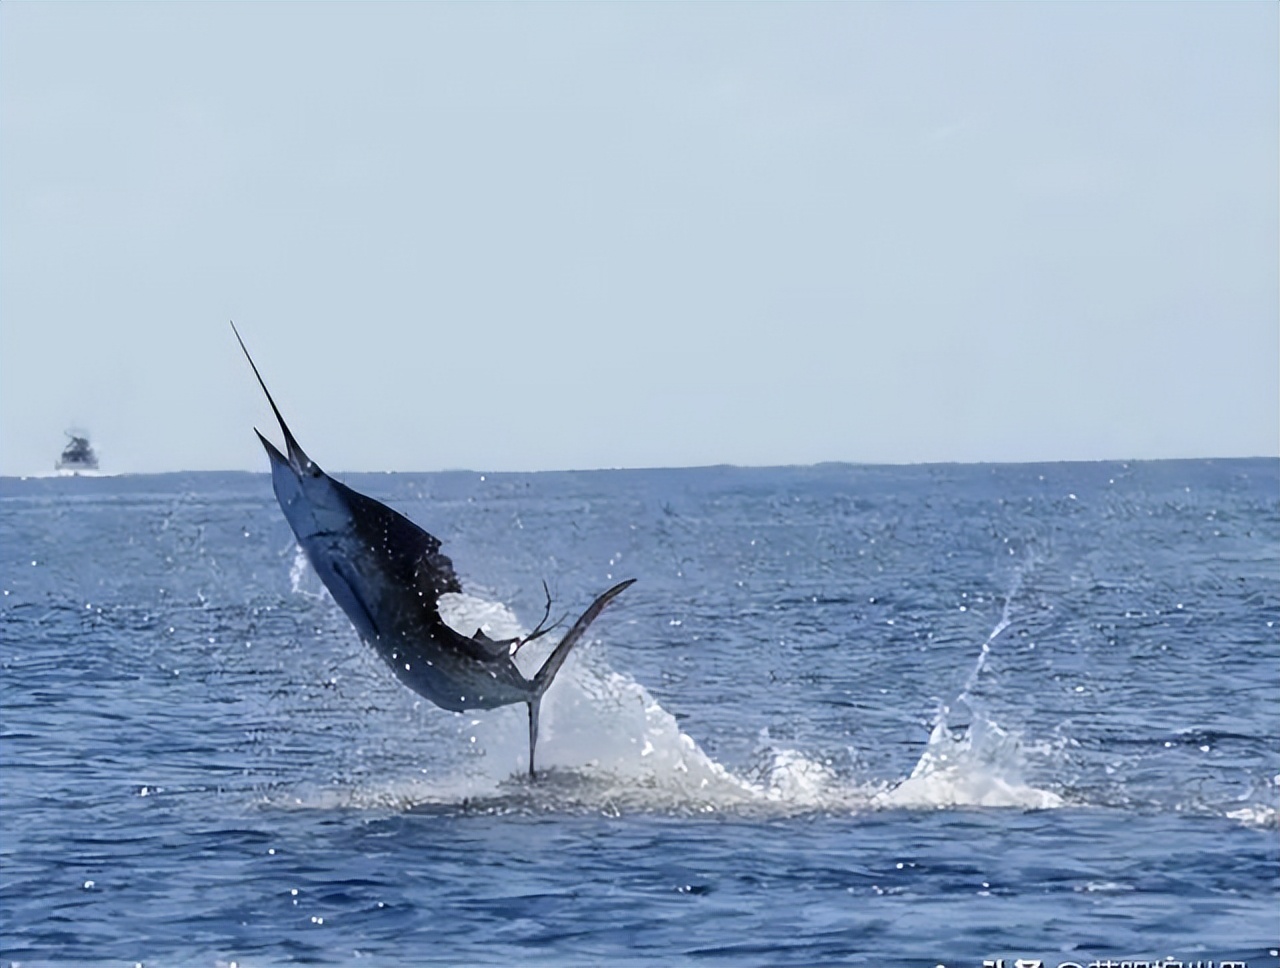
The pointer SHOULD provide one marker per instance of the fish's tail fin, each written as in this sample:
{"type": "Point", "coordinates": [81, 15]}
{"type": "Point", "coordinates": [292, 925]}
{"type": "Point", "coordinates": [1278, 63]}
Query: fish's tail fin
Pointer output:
{"type": "Point", "coordinates": [543, 679]}
{"type": "Point", "coordinates": [549, 668]}
{"type": "Point", "coordinates": [297, 456]}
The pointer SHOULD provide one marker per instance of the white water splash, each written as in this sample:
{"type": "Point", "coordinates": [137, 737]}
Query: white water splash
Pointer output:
{"type": "Point", "coordinates": [465, 613]}
{"type": "Point", "coordinates": [596, 724]}
{"type": "Point", "coordinates": [605, 743]}
{"type": "Point", "coordinates": [302, 577]}
{"type": "Point", "coordinates": [982, 765]}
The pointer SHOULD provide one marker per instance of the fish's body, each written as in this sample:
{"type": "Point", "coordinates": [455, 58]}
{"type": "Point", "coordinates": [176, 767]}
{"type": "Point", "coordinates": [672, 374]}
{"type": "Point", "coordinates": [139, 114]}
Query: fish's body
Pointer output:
{"type": "Point", "coordinates": [388, 574]}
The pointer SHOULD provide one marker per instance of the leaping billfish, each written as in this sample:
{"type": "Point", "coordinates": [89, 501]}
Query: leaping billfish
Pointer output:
{"type": "Point", "coordinates": [388, 574]}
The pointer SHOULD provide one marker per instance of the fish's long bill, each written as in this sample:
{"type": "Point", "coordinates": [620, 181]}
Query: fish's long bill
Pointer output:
{"type": "Point", "coordinates": [297, 456]}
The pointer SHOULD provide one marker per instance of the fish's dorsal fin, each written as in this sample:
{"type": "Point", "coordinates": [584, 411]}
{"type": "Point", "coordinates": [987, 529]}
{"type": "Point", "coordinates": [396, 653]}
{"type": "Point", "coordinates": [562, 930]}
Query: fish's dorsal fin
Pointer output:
{"type": "Point", "coordinates": [434, 572]}
{"type": "Point", "coordinates": [297, 456]}
{"type": "Point", "coordinates": [411, 554]}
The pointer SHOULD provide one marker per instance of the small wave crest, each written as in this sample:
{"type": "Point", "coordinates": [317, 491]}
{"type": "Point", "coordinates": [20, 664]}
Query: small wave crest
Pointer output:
{"type": "Point", "coordinates": [1258, 815]}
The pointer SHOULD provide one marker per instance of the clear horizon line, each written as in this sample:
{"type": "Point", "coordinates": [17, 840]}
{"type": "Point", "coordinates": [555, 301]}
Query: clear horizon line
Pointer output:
{"type": "Point", "coordinates": [668, 467]}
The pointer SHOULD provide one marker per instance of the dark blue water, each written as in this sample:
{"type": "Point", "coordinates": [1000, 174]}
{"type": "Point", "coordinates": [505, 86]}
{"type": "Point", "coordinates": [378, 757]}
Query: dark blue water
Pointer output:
{"type": "Point", "coordinates": [856, 715]}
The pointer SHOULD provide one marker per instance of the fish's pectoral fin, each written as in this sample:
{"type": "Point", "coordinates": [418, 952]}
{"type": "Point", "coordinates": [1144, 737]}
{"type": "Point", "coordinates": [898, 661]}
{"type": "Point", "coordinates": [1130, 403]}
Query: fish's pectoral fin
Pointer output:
{"type": "Point", "coordinates": [542, 628]}
{"type": "Point", "coordinates": [355, 606]}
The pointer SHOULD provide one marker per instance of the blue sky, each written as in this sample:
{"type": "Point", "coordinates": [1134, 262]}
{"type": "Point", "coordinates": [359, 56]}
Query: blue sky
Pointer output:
{"type": "Point", "coordinates": [518, 237]}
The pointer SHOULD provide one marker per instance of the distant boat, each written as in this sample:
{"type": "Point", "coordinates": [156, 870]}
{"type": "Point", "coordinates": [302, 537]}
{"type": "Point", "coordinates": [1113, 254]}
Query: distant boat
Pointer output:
{"type": "Point", "coordinates": [77, 456]}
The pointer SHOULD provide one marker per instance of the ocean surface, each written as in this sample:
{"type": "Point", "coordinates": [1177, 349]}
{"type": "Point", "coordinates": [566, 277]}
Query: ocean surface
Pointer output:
{"type": "Point", "coordinates": [854, 715]}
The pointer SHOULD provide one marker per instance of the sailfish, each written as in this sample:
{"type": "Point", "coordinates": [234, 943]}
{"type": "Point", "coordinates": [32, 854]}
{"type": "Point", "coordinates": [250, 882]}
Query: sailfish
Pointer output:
{"type": "Point", "coordinates": [387, 574]}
